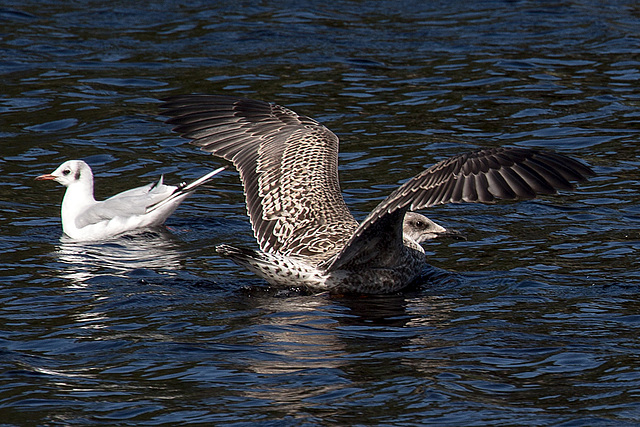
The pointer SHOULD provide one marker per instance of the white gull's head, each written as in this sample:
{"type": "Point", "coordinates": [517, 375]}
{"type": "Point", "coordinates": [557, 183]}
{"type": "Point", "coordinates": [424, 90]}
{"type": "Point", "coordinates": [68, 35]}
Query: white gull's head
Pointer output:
{"type": "Point", "coordinates": [69, 173]}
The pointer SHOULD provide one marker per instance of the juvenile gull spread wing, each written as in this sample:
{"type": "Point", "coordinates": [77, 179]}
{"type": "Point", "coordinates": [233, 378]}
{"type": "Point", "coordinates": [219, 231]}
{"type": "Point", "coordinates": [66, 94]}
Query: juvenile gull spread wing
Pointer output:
{"type": "Point", "coordinates": [488, 175]}
{"type": "Point", "coordinates": [288, 164]}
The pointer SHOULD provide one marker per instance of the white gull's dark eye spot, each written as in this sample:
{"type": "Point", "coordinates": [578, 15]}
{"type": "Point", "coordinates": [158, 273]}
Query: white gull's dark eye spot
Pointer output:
{"type": "Point", "coordinates": [66, 172]}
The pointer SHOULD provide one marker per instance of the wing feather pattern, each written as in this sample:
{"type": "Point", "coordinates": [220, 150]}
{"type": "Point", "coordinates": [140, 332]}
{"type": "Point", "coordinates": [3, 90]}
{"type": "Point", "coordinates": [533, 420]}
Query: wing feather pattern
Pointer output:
{"type": "Point", "coordinates": [288, 165]}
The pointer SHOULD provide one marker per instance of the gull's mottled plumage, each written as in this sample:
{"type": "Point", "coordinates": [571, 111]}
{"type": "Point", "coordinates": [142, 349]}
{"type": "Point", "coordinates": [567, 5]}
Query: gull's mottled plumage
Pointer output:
{"type": "Point", "coordinates": [289, 168]}
{"type": "Point", "coordinates": [84, 218]}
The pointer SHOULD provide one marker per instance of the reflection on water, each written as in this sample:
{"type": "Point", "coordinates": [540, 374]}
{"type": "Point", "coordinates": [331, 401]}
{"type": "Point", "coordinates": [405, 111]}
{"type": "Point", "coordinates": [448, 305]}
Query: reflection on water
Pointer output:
{"type": "Point", "coordinates": [309, 351]}
{"type": "Point", "coordinates": [150, 250]}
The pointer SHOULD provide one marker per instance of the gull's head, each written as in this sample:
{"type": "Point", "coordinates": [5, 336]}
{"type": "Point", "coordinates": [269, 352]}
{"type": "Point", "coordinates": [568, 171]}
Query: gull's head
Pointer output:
{"type": "Point", "coordinates": [419, 228]}
{"type": "Point", "coordinates": [69, 173]}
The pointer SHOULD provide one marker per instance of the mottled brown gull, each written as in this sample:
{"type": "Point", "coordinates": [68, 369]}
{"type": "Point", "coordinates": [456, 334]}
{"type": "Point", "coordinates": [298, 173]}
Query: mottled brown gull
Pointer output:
{"type": "Point", "coordinates": [288, 165]}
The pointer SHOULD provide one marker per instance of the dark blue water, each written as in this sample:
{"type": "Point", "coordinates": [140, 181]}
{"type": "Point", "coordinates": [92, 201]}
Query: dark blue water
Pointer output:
{"type": "Point", "coordinates": [533, 320]}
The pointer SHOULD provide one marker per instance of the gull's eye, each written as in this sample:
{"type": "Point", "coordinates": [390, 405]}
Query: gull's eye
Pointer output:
{"type": "Point", "coordinates": [419, 224]}
{"type": "Point", "coordinates": [66, 172]}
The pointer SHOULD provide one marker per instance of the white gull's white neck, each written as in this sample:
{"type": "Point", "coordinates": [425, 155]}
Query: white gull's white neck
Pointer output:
{"type": "Point", "coordinates": [77, 198]}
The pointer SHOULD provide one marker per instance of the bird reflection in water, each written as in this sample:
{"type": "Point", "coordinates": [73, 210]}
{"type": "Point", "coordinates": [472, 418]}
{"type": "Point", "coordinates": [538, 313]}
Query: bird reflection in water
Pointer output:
{"type": "Point", "coordinates": [155, 250]}
{"type": "Point", "coordinates": [318, 343]}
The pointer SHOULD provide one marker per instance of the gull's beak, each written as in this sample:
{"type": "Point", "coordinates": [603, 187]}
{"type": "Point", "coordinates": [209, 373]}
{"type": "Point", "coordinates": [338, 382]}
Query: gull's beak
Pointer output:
{"type": "Point", "coordinates": [454, 234]}
{"type": "Point", "coordinates": [46, 177]}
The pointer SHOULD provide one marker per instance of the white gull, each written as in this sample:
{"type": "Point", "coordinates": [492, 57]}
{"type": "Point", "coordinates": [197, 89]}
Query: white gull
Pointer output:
{"type": "Point", "coordinates": [85, 218]}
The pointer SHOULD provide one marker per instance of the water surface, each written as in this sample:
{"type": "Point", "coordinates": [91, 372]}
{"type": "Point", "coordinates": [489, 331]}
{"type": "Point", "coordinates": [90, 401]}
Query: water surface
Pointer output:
{"type": "Point", "coordinates": [533, 320]}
